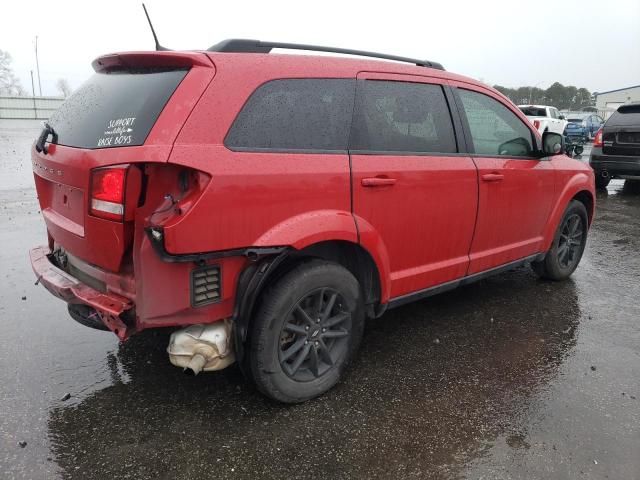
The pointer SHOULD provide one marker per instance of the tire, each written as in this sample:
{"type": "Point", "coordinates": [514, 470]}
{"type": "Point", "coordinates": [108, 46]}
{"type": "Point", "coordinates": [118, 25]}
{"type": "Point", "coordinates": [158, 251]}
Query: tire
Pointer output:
{"type": "Point", "coordinates": [602, 182]}
{"type": "Point", "coordinates": [290, 357]}
{"type": "Point", "coordinates": [568, 245]}
{"type": "Point", "coordinates": [579, 149]}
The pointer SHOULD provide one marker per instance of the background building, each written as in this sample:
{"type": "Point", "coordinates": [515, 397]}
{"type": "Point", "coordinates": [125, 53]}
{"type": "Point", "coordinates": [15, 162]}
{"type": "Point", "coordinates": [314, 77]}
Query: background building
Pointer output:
{"type": "Point", "coordinates": [608, 102]}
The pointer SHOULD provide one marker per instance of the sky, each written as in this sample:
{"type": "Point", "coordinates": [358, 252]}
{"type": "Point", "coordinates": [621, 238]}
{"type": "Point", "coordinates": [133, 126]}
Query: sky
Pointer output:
{"type": "Point", "coordinates": [593, 44]}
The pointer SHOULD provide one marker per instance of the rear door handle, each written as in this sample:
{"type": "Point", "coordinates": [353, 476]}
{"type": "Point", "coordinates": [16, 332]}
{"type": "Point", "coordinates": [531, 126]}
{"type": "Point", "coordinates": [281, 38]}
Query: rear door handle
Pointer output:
{"type": "Point", "coordinates": [378, 182]}
{"type": "Point", "coordinates": [492, 177]}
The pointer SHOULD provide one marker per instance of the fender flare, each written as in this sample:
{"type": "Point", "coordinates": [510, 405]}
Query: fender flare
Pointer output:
{"type": "Point", "coordinates": [298, 233]}
{"type": "Point", "coordinates": [578, 183]}
{"type": "Point", "coordinates": [311, 227]}
{"type": "Point", "coordinates": [330, 225]}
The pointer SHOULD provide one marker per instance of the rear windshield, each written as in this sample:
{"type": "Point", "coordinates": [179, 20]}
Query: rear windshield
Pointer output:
{"type": "Point", "coordinates": [533, 111]}
{"type": "Point", "coordinates": [626, 115]}
{"type": "Point", "coordinates": [114, 109]}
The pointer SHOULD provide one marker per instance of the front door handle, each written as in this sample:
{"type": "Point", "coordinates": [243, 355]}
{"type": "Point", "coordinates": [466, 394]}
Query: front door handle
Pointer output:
{"type": "Point", "coordinates": [492, 177]}
{"type": "Point", "coordinates": [378, 182]}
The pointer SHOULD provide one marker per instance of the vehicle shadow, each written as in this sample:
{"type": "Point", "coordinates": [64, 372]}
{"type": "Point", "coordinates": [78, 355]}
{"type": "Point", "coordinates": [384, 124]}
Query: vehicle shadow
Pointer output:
{"type": "Point", "coordinates": [435, 383]}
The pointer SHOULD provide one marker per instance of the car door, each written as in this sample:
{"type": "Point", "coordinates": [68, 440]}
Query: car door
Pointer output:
{"type": "Point", "coordinates": [411, 183]}
{"type": "Point", "coordinates": [595, 122]}
{"type": "Point", "coordinates": [516, 188]}
{"type": "Point", "coordinates": [555, 124]}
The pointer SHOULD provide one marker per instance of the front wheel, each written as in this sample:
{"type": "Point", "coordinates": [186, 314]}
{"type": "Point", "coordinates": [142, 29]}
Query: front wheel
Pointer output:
{"type": "Point", "coordinates": [568, 244]}
{"type": "Point", "coordinates": [307, 329]}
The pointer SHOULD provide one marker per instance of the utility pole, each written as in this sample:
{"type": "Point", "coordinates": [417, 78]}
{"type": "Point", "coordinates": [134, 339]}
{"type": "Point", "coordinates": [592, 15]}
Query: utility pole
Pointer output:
{"type": "Point", "coordinates": [38, 68]}
{"type": "Point", "coordinates": [33, 90]}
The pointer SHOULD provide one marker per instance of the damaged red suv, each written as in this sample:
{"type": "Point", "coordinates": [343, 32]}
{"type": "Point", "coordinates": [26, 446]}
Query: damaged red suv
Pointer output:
{"type": "Point", "coordinates": [264, 205]}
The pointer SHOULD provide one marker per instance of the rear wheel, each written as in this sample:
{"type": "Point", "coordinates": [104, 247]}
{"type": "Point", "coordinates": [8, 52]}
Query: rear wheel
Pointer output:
{"type": "Point", "coordinates": [602, 182]}
{"type": "Point", "coordinates": [306, 330]}
{"type": "Point", "coordinates": [568, 244]}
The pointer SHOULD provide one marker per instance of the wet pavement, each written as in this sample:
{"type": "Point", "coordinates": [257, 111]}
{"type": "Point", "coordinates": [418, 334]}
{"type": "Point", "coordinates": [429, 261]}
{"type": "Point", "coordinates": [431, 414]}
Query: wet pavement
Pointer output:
{"type": "Point", "coordinates": [511, 377]}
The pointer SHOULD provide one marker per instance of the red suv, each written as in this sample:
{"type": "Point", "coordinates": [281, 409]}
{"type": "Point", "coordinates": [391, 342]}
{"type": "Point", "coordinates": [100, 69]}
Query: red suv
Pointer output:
{"type": "Point", "coordinates": [267, 204]}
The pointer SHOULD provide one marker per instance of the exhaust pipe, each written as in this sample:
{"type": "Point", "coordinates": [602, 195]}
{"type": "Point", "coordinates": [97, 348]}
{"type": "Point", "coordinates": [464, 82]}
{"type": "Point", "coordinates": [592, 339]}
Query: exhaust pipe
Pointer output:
{"type": "Point", "coordinates": [604, 174]}
{"type": "Point", "coordinates": [200, 348]}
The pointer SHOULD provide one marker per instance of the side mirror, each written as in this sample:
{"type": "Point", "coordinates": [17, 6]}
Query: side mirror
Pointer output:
{"type": "Point", "coordinates": [518, 147]}
{"type": "Point", "coordinates": [561, 117]}
{"type": "Point", "coordinates": [552, 143]}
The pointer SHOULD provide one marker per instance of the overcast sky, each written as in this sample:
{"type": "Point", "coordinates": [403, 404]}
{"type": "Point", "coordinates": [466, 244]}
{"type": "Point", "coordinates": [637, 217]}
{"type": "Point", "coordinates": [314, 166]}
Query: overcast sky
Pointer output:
{"type": "Point", "coordinates": [592, 44]}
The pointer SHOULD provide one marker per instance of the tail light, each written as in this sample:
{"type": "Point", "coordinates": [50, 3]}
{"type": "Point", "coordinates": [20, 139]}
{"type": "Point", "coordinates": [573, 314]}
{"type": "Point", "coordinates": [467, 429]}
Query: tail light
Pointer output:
{"type": "Point", "coordinates": [108, 192]}
{"type": "Point", "coordinates": [536, 123]}
{"type": "Point", "coordinates": [597, 140]}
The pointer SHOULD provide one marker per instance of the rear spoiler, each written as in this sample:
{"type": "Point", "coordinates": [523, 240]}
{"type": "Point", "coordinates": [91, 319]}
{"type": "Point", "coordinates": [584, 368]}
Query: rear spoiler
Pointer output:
{"type": "Point", "coordinates": [165, 59]}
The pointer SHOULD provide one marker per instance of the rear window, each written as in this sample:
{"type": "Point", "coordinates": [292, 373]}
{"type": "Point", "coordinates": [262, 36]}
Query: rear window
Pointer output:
{"type": "Point", "coordinates": [295, 115]}
{"type": "Point", "coordinates": [626, 116]}
{"type": "Point", "coordinates": [402, 117]}
{"type": "Point", "coordinates": [116, 109]}
{"type": "Point", "coordinates": [533, 111]}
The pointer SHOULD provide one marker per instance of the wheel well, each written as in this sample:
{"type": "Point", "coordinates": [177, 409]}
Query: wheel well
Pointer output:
{"type": "Point", "coordinates": [351, 256]}
{"type": "Point", "coordinates": [585, 198]}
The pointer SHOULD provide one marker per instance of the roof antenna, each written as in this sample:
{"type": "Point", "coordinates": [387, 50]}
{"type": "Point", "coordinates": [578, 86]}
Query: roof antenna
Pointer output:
{"type": "Point", "coordinates": [155, 37]}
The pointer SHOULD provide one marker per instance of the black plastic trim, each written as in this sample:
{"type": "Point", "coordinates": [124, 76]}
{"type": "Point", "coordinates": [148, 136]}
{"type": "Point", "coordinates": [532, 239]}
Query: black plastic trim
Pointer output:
{"type": "Point", "coordinates": [429, 292]}
{"type": "Point", "coordinates": [250, 285]}
{"type": "Point", "coordinates": [252, 253]}
{"type": "Point", "coordinates": [192, 286]}
{"type": "Point", "coordinates": [243, 45]}
{"type": "Point", "coordinates": [287, 150]}
{"type": "Point", "coordinates": [411, 154]}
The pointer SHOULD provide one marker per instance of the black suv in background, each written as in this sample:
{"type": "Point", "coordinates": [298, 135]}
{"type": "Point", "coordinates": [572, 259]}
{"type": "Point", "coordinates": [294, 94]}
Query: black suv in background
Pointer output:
{"type": "Point", "coordinates": [616, 147]}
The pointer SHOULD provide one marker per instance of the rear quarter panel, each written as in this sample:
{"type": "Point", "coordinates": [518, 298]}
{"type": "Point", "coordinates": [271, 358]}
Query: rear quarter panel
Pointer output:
{"type": "Point", "coordinates": [258, 198]}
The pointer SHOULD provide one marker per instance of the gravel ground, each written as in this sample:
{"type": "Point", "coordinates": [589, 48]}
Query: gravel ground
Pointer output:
{"type": "Point", "coordinates": [508, 378]}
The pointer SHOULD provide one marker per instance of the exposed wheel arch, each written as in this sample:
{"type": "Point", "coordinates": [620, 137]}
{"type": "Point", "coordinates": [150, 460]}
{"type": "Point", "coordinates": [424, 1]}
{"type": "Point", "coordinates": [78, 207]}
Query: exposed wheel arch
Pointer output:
{"type": "Point", "coordinates": [258, 276]}
{"type": "Point", "coordinates": [585, 197]}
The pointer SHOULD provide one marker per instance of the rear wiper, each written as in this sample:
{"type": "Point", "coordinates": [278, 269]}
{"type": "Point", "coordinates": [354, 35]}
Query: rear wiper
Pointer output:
{"type": "Point", "coordinates": [44, 135]}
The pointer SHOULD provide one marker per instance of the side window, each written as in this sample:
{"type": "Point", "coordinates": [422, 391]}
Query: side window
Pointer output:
{"type": "Point", "coordinates": [402, 117]}
{"type": "Point", "coordinates": [553, 112]}
{"type": "Point", "coordinates": [495, 130]}
{"type": "Point", "coordinates": [295, 114]}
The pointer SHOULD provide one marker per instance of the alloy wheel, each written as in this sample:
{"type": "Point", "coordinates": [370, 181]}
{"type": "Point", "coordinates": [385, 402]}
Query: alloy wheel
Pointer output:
{"type": "Point", "coordinates": [315, 335]}
{"type": "Point", "coordinates": [570, 242]}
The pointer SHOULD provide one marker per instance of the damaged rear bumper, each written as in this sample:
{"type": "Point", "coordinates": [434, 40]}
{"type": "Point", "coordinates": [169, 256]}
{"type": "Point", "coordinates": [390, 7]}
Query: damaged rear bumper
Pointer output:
{"type": "Point", "coordinates": [109, 307]}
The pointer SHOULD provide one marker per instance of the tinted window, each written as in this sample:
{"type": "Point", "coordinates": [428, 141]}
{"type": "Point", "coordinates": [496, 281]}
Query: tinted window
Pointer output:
{"type": "Point", "coordinates": [295, 114]}
{"type": "Point", "coordinates": [626, 115]}
{"type": "Point", "coordinates": [495, 130]}
{"type": "Point", "coordinates": [533, 111]}
{"type": "Point", "coordinates": [402, 117]}
{"type": "Point", "coordinates": [114, 109]}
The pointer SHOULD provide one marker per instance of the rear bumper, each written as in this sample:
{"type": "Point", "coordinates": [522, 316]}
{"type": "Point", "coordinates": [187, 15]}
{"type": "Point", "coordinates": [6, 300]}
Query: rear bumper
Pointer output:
{"type": "Point", "coordinates": [614, 164]}
{"type": "Point", "coordinates": [108, 306]}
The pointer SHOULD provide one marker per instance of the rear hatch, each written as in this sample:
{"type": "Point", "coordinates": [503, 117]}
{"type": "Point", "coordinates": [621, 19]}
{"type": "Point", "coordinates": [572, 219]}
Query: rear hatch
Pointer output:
{"type": "Point", "coordinates": [90, 178]}
{"type": "Point", "coordinates": [621, 133]}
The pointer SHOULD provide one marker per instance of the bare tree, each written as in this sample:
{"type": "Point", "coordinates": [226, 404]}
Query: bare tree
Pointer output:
{"type": "Point", "coordinates": [9, 83]}
{"type": "Point", "coordinates": [63, 86]}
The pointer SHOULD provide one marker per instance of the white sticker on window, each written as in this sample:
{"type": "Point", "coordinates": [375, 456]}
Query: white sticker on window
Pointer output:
{"type": "Point", "coordinates": [118, 132]}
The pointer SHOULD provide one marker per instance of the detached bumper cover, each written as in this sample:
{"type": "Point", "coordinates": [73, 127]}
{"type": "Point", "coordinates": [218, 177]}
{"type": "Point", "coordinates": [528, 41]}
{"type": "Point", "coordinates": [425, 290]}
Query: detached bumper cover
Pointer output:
{"type": "Point", "coordinates": [108, 306]}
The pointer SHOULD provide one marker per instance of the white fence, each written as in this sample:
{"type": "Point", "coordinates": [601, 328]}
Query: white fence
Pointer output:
{"type": "Point", "coordinates": [34, 108]}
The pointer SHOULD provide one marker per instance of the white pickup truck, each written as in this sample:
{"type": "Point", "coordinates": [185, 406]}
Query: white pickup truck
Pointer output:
{"type": "Point", "coordinates": [544, 118]}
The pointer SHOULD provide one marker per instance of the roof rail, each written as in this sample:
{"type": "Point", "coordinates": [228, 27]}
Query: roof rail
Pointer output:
{"type": "Point", "coordinates": [242, 45]}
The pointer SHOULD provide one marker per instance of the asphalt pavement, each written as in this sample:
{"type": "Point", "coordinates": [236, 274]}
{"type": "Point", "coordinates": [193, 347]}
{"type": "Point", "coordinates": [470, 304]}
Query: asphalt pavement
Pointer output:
{"type": "Point", "coordinates": [508, 378]}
